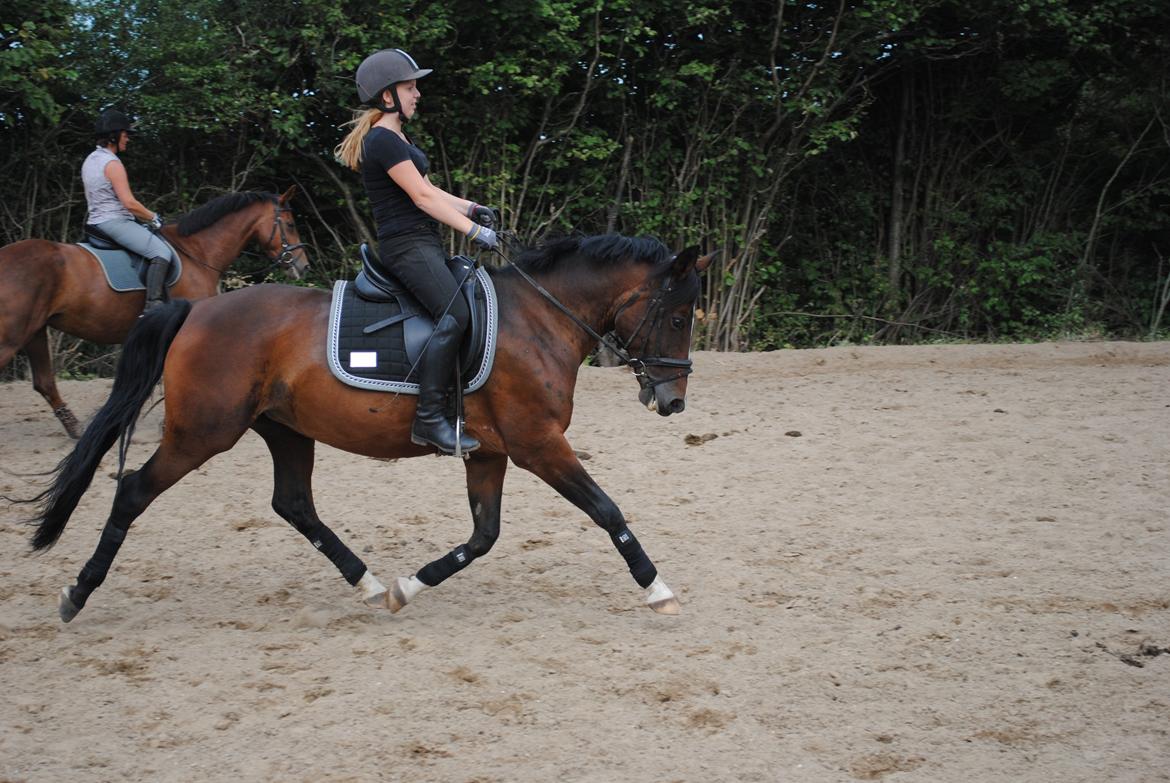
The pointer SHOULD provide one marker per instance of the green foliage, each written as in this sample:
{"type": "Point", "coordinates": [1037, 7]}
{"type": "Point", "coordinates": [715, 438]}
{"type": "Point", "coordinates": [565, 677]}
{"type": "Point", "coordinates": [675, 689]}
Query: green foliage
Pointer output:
{"type": "Point", "coordinates": [1031, 203]}
{"type": "Point", "coordinates": [33, 36]}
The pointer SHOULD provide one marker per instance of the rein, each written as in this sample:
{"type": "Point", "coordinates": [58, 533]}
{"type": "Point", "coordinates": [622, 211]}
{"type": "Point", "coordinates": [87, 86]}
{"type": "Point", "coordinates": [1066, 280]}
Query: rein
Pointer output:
{"type": "Point", "coordinates": [618, 346]}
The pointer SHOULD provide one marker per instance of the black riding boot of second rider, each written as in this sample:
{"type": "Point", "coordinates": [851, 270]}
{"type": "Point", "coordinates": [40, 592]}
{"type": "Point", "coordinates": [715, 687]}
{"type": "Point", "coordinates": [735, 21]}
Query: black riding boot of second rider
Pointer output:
{"type": "Point", "coordinates": [156, 282]}
{"type": "Point", "coordinates": [434, 371]}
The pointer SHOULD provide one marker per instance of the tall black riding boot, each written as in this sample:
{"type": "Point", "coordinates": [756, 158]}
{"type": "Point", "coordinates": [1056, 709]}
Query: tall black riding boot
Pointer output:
{"type": "Point", "coordinates": [435, 370]}
{"type": "Point", "coordinates": [156, 282]}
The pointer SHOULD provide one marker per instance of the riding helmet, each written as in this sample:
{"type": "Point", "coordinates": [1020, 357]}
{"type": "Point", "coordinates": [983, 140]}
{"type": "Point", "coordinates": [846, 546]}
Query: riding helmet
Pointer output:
{"type": "Point", "coordinates": [111, 121]}
{"type": "Point", "coordinates": [382, 70]}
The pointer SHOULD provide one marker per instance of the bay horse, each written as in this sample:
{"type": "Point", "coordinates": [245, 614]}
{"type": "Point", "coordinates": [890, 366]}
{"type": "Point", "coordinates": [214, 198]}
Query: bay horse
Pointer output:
{"type": "Point", "coordinates": [61, 285]}
{"type": "Point", "coordinates": [256, 358]}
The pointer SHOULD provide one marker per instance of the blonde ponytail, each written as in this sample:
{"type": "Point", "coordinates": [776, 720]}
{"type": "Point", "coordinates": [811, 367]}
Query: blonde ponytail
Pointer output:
{"type": "Point", "coordinates": [349, 151]}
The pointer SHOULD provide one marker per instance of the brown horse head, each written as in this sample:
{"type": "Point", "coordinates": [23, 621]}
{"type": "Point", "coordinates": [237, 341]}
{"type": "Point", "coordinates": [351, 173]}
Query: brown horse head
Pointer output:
{"type": "Point", "coordinates": [284, 244]}
{"type": "Point", "coordinates": [265, 219]}
{"type": "Point", "coordinates": [655, 322]}
{"type": "Point", "coordinates": [634, 289]}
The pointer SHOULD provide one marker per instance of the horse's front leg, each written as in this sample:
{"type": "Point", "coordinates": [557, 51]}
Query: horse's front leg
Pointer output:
{"type": "Point", "coordinates": [485, 486]}
{"type": "Point", "coordinates": [559, 467]}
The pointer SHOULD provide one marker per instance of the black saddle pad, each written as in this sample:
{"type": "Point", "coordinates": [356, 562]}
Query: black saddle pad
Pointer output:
{"type": "Point", "coordinates": [375, 345]}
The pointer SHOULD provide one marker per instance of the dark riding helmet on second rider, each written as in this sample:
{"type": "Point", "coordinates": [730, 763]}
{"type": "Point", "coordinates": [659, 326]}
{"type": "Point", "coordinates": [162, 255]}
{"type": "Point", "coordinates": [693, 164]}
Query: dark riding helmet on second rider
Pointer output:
{"type": "Point", "coordinates": [110, 123]}
{"type": "Point", "coordinates": [381, 71]}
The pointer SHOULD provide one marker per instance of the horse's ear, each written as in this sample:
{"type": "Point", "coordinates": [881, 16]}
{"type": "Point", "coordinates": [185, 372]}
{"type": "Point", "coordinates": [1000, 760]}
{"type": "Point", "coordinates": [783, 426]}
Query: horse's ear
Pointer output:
{"type": "Point", "coordinates": [684, 261]}
{"type": "Point", "coordinates": [287, 196]}
{"type": "Point", "coordinates": [705, 261]}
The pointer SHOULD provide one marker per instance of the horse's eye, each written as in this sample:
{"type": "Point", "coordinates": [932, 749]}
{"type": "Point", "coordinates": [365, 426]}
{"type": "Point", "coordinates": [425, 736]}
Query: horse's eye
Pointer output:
{"type": "Point", "coordinates": [677, 322]}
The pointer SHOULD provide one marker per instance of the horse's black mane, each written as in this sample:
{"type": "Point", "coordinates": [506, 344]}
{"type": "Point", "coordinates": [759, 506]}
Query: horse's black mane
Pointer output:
{"type": "Point", "coordinates": [604, 249]}
{"type": "Point", "coordinates": [202, 217]}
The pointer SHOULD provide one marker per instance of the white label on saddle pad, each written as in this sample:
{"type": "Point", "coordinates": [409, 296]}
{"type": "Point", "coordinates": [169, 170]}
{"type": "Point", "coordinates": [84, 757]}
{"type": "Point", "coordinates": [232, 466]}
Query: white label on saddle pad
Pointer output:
{"type": "Point", "coordinates": [363, 359]}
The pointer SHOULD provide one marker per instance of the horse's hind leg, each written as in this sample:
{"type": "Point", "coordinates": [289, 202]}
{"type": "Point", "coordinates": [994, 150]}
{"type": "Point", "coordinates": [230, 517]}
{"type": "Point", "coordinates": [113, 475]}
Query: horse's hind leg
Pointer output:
{"type": "Point", "coordinates": [485, 486]}
{"type": "Point", "coordinates": [36, 347]}
{"type": "Point", "coordinates": [45, 382]}
{"type": "Point", "coordinates": [292, 499]}
{"type": "Point", "coordinates": [136, 491]}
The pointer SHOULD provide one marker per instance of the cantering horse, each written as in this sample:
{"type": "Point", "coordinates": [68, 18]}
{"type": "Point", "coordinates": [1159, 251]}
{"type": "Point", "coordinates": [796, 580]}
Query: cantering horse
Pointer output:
{"type": "Point", "coordinates": [61, 285]}
{"type": "Point", "coordinates": [255, 358]}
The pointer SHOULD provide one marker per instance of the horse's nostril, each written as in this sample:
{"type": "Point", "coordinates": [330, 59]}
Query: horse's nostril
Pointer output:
{"type": "Point", "coordinates": [677, 405]}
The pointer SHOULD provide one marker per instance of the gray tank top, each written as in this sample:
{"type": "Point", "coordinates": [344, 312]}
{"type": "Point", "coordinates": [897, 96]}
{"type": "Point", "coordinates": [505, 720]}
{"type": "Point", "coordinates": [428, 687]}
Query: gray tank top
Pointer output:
{"type": "Point", "coordinates": [99, 192]}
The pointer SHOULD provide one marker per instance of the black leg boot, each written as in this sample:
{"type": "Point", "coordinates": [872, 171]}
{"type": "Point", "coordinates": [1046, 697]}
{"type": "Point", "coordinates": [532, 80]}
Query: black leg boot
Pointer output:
{"type": "Point", "coordinates": [156, 282]}
{"type": "Point", "coordinates": [435, 370]}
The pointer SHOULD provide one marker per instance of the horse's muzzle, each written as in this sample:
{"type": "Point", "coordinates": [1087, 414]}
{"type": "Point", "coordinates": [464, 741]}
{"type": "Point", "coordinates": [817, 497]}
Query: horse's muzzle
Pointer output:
{"type": "Point", "coordinates": [662, 401]}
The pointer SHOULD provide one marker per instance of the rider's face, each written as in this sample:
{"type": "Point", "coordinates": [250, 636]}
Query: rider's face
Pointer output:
{"type": "Point", "coordinates": [123, 140]}
{"type": "Point", "coordinates": [408, 96]}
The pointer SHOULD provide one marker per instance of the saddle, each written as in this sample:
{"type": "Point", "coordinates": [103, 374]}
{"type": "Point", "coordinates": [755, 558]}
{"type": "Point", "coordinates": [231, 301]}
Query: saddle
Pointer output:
{"type": "Point", "coordinates": [124, 270]}
{"type": "Point", "coordinates": [378, 330]}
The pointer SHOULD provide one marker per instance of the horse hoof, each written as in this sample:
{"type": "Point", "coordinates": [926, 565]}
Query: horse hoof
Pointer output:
{"type": "Point", "coordinates": [661, 598]}
{"type": "Point", "coordinates": [65, 606]}
{"type": "Point", "coordinates": [69, 422]}
{"type": "Point", "coordinates": [666, 606]}
{"type": "Point", "coordinates": [377, 600]}
{"type": "Point", "coordinates": [395, 598]}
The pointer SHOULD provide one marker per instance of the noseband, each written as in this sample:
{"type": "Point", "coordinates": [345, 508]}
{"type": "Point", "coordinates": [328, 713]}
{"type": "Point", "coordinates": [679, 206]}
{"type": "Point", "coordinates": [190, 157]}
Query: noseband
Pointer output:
{"type": "Point", "coordinates": [652, 317]}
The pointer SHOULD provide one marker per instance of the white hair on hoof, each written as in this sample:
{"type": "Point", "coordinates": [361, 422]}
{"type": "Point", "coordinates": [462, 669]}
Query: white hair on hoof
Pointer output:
{"type": "Point", "coordinates": [661, 599]}
{"type": "Point", "coordinates": [373, 592]}
{"type": "Point", "coordinates": [402, 591]}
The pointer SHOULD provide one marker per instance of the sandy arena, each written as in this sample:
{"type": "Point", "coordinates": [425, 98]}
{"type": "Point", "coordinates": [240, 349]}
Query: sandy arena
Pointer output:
{"type": "Point", "coordinates": [939, 563]}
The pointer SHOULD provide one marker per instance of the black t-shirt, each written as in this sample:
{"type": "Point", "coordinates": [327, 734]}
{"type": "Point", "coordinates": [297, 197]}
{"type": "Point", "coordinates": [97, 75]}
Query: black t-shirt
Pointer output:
{"type": "Point", "coordinates": [394, 212]}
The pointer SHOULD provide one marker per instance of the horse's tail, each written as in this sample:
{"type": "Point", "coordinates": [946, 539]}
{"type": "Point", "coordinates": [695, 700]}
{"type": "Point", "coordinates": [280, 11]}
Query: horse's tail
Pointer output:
{"type": "Point", "coordinates": [139, 370]}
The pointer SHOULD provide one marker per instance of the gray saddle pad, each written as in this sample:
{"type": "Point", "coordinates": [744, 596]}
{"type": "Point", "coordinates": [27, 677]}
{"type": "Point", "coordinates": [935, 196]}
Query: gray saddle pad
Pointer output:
{"type": "Point", "coordinates": [125, 271]}
{"type": "Point", "coordinates": [382, 360]}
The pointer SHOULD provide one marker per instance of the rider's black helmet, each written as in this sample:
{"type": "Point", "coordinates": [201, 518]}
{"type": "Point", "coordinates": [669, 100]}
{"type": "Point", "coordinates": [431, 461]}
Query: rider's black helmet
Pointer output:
{"type": "Point", "coordinates": [382, 70]}
{"type": "Point", "coordinates": [110, 122]}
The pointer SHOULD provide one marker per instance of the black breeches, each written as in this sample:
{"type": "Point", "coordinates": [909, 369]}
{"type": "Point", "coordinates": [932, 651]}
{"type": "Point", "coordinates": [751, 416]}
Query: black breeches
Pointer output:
{"type": "Point", "coordinates": [418, 260]}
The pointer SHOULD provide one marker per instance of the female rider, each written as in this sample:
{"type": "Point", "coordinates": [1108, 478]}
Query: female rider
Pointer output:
{"type": "Point", "coordinates": [407, 209]}
{"type": "Point", "coordinates": [113, 208]}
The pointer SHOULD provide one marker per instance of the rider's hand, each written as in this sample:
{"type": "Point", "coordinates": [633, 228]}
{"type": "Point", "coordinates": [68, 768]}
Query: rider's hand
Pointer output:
{"type": "Point", "coordinates": [483, 235]}
{"type": "Point", "coordinates": [155, 222]}
{"type": "Point", "coordinates": [485, 216]}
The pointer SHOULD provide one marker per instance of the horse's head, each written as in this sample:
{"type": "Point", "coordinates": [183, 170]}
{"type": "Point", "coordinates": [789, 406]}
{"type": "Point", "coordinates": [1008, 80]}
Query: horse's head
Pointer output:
{"type": "Point", "coordinates": [654, 324]}
{"type": "Point", "coordinates": [276, 231]}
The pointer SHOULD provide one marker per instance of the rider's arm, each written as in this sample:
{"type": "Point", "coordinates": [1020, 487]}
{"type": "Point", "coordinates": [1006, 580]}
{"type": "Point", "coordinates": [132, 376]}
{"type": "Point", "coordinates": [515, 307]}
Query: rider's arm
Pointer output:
{"type": "Point", "coordinates": [116, 174]}
{"type": "Point", "coordinates": [461, 204]}
{"type": "Point", "coordinates": [440, 205]}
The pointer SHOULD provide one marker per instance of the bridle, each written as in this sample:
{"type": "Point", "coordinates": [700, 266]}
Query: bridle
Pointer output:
{"type": "Point", "coordinates": [652, 317]}
{"type": "Point", "coordinates": [284, 259]}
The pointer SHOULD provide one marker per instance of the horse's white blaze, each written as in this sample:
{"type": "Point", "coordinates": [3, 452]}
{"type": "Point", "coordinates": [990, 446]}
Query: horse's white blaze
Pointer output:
{"type": "Point", "coordinates": [373, 591]}
{"type": "Point", "coordinates": [661, 598]}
